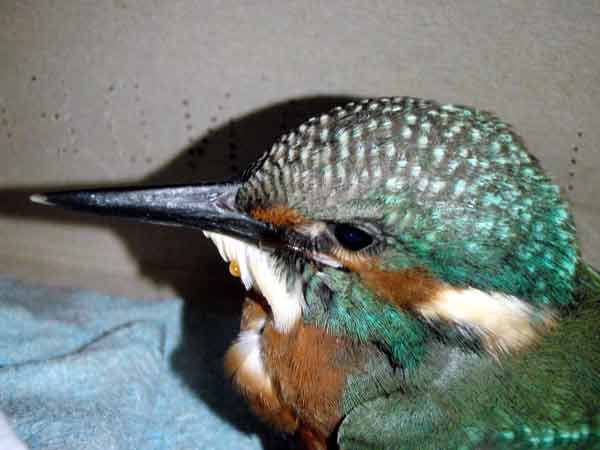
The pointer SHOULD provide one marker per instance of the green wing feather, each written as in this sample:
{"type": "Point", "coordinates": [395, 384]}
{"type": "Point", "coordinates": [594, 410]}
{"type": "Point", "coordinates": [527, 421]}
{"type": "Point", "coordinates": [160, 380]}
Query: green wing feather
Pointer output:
{"type": "Point", "coordinates": [548, 397]}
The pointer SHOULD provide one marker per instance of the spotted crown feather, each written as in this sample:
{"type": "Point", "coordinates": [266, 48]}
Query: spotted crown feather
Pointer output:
{"type": "Point", "coordinates": [452, 188]}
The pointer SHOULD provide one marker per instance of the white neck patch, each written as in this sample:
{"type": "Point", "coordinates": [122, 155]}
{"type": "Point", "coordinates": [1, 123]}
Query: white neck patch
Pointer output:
{"type": "Point", "coordinates": [504, 320]}
{"type": "Point", "coordinates": [257, 269]}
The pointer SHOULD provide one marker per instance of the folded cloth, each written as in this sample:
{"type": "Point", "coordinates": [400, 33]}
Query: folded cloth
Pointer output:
{"type": "Point", "coordinates": [80, 370]}
{"type": "Point", "coordinates": [8, 440]}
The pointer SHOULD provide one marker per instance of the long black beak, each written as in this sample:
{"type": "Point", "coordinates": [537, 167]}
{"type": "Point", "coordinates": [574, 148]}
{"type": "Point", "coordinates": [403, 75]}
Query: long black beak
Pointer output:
{"type": "Point", "coordinates": [208, 207]}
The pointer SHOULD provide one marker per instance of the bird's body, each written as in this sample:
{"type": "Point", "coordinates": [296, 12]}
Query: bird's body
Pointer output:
{"type": "Point", "coordinates": [417, 283]}
{"type": "Point", "coordinates": [310, 381]}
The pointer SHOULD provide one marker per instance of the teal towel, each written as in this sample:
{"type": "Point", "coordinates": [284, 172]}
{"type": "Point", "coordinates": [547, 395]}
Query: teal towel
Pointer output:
{"type": "Point", "coordinates": [80, 370]}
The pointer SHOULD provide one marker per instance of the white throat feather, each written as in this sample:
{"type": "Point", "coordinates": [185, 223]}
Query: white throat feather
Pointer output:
{"type": "Point", "coordinates": [258, 269]}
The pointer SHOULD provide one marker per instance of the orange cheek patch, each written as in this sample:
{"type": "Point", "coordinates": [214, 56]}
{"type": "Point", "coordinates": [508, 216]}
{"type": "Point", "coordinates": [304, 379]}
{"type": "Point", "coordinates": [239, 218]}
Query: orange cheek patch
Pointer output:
{"type": "Point", "coordinates": [279, 215]}
{"type": "Point", "coordinates": [404, 288]}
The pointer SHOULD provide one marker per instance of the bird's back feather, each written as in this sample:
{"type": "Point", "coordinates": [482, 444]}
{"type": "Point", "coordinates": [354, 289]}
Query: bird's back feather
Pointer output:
{"type": "Point", "coordinates": [547, 396]}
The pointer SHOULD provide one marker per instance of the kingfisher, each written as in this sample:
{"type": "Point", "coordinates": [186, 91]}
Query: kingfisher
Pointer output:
{"type": "Point", "coordinates": [414, 282]}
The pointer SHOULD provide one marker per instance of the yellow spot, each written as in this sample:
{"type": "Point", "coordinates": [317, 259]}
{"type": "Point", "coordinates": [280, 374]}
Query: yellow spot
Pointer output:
{"type": "Point", "coordinates": [234, 269]}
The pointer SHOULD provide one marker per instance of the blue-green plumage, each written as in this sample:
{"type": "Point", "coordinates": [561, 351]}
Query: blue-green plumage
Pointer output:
{"type": "Point", "coordinates": [453, 190]}
{"type": "Point", "coordinates": [450, 188]}
{"type": "Point", "coordinates": [548, 397]}
{"type": "Point", "coordinates": [355, 310]}
{"type": "Point", "coordinates": [431, 247]}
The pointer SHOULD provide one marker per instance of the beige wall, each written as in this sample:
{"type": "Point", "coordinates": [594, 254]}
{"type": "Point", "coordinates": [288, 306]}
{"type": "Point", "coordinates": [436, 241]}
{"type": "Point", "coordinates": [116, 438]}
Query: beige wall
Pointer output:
{"type": "Point", "coordinates": [172, 91]}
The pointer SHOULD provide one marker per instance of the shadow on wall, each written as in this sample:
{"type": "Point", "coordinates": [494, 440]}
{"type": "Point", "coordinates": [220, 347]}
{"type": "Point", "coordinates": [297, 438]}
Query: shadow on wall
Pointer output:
{"type": "Point", "coordinates": [212, 298]}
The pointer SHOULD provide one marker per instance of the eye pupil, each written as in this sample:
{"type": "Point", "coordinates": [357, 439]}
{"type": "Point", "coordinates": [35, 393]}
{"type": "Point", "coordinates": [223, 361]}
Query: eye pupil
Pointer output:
{"type": "Point", "coordinates": [351, 237]}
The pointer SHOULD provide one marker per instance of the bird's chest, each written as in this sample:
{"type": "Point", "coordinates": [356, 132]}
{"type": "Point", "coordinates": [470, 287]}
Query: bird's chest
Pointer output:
{"type": "Point", "coordinates": [293, 380]}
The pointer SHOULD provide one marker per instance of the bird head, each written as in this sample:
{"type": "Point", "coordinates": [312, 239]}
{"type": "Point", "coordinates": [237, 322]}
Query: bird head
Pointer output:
{"type": "Point", "coordinates": [390, 221]}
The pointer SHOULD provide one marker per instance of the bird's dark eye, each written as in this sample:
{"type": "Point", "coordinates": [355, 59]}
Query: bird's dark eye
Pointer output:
{"type": "Point", "coordinates": [352, 238]}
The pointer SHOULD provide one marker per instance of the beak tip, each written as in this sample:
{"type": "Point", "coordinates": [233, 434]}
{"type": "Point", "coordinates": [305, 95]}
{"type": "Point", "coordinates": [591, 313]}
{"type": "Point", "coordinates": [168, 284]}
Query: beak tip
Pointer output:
{"type": "Point", "coordinates": [41, 199]}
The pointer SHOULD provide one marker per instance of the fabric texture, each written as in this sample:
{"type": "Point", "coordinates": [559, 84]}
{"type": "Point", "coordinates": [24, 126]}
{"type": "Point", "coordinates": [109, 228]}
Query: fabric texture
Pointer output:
{"type": "Point", "coordinates": [80, 370]}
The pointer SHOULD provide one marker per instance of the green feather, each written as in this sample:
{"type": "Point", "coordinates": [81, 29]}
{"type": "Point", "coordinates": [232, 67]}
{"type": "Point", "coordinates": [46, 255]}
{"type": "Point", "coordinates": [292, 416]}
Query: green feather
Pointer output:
{"type": "Point", "coordinates": [453, 190]}
{"type": "Point", "coordinates": [354, 311]}
{"type": "Point", "coordinates": [547, 397]}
